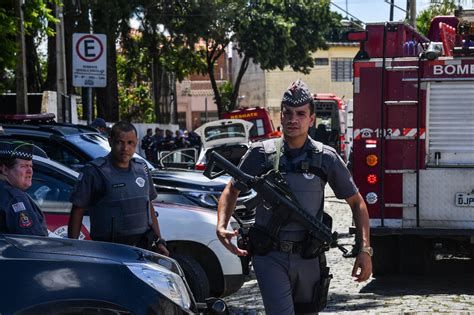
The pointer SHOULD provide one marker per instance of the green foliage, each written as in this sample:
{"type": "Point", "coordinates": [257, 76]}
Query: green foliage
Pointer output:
{"type": "Point", "coordinates": [134, 91]}
{"type": "Point", "coordinates": [36, 15]}
{"type": "Point", "coordinates": [423, 20]}
{"type": "Point", "coordinates": [226, 90]}
{"type": "Point", "coordinates": [276, 34]}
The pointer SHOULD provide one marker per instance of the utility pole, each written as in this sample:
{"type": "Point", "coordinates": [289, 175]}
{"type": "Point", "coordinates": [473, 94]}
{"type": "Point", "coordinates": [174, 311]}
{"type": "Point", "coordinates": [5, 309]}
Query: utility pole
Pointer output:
{"type": "Point", "coordinates": [391, 9]}
{"type": "Point", "coordinates": [63, 111]}
{"type": "Point", "coordinates": [412, 12]}
{"type": "Point", "coordinates": [21, 86]}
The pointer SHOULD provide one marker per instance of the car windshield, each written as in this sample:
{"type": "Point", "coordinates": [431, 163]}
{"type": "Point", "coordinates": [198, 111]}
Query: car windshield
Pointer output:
{"type": "Point", "coordinates": [222, 132]}
{"type": "Point", "coordinates": [96, 145]}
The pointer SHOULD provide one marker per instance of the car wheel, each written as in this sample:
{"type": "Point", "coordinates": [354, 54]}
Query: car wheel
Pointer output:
{"type": "Point", "coordinates": [195, 276]}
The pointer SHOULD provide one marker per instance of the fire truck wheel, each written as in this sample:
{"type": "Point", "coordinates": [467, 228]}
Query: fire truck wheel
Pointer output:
{"type": "Point", "coordinates": [386, 254]}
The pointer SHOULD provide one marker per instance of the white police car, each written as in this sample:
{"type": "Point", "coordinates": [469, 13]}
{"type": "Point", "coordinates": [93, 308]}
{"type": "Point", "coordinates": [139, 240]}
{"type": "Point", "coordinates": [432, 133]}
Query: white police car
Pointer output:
{"type": "Point", "coordinates": [210, 269]}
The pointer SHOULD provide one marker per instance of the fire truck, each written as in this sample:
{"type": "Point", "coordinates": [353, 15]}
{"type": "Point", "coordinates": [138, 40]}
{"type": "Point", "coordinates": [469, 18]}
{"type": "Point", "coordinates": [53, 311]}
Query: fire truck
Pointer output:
{"type": "Point", "coordinates": [262, 123]}
{"type": "Point", "coordinates": [330, 124]}
{"type": "Point", "coordinates": [413, 149]}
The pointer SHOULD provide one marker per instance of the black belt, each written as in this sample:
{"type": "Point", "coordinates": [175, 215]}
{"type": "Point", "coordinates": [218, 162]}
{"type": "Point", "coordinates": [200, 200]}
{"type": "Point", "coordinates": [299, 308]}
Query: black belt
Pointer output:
{"type": "Point", "coordinates": [288, 247]}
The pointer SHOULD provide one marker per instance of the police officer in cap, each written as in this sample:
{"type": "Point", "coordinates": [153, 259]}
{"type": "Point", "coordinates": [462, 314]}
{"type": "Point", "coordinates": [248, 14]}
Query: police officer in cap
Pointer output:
{"type": "Point", "coordinates": [289, 282]}
{"type": "Point", "coordinates": [18, 212]}
{"type": "Point", "coordinates": [117, 190]}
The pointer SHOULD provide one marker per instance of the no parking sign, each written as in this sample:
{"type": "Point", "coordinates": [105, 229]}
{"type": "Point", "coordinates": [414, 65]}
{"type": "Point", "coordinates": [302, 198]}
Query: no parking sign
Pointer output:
{"type": "Point", "coordinates": [89, 60]}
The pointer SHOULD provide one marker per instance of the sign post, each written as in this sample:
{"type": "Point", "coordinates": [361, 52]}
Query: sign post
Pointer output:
{"type": "Point", "coordinates": [89, 63]}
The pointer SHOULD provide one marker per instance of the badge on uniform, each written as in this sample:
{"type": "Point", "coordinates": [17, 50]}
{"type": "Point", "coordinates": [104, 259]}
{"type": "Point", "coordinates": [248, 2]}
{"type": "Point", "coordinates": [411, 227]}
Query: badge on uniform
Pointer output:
{"type": "Point", "coordinates": [140, 182]}
{"type": "Point", "coordinates": [19, 206]}
{"type": "Point", "coordinates": [308, 175]}
{"type": "Point", "coordinates": [25, 221]}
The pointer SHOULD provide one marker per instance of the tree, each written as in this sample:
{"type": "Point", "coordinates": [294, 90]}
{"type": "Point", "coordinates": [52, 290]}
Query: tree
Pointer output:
{"type": "Point", "coordinates": [273, 34]}
{"type": "Point", "coordinates": [423, 21]}
{"type": "Point", "coordinates": [37, 14]}
{"type": "Point", "coordinates": [170, 54]}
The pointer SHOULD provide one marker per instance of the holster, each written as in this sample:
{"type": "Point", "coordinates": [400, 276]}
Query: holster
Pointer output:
{"type": "Point", "coordinates": [320, 291]}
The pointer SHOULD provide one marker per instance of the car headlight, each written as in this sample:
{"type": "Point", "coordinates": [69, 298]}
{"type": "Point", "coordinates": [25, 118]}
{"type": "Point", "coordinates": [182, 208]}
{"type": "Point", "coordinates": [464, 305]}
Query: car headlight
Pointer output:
{"type": "Point", "coordinates": [166, 282]}
{"type": "Point", "coordinates": [203, 198]}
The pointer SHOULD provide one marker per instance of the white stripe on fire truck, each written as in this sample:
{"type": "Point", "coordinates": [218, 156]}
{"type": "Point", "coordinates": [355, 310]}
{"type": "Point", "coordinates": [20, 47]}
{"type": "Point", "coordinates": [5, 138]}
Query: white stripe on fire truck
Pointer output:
{"type": "Point", "coordinates": [391, 133]}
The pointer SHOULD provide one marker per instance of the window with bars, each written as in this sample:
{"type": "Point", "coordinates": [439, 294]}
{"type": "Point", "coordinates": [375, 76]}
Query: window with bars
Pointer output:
{"type": "Point", "coordinates": [341, 70]}
{"type": "Point", "coordinates": [321, 61]}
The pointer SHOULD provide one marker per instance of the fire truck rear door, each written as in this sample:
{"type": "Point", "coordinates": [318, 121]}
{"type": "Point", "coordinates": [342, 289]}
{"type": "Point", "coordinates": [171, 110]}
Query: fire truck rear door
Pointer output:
{"type": "Point", "coordinates": [447, 183]}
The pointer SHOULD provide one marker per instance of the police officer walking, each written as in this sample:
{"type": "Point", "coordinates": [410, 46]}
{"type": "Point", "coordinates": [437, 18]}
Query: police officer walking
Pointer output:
{"type": "Point", "coordinates": [117, 190]}
{"type": "Point", "coordinates": [18, 212]}
{"type": "Point", "coordinates": [289, 282]}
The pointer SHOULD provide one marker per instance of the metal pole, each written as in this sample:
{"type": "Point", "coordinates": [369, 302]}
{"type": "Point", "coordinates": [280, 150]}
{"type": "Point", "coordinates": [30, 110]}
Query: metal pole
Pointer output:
{"type": "Point", "coordinates": [391, 9]}
{"type": "Point", "coordinates": [89, 105]}
{"type": "Point", "coordinates": [205, 107]}
{"type": "Point", "coordinates": [21, 84]}
{"type": "Point", "coordinates": [60, 64]}
{"type": "Point", "coordinates": [413, 13]}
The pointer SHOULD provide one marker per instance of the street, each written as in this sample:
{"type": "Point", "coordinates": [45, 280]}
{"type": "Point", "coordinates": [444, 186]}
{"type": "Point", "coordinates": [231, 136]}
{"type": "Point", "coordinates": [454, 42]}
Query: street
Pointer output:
{"type": "Point", "coordinates": [450, 292]}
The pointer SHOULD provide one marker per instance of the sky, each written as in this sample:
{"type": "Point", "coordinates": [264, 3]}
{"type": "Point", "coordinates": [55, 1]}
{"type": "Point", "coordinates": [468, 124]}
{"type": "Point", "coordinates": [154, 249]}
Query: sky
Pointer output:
{"type": "Point", "coordinates": [369, 11]}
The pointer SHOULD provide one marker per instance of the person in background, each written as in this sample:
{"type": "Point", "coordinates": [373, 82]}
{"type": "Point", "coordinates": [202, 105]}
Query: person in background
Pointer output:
{"type": "Point", "coordinates": [290, 279]}
{"type": "Point", "coordinates": [147, 144]}
{"type": "Point", "coordinates": [101, 126]}
{"type": "Point", "coordinates": [180, 141]}
{"type": "Point", "coordinates": [194, 140]}
{"type": "Point", "coordinates": [19, 214]}
{"type": "Point", "coordinates": [157, 145]}
{"type": "Point", "coordinates": [117, 191]}
{"type": "Point", "coordinates": [168, 141]}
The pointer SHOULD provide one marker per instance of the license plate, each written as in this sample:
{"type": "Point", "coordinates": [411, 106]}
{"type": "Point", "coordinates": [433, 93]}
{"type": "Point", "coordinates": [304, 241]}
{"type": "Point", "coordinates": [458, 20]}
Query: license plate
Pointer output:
{"type": "Point", "coordinates": [465, 199]}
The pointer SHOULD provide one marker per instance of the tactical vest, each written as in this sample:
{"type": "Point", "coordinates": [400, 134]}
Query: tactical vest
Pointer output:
{"type": "Point", "coordinates": [8, 193]}
{"type": "Point", "coordinates": [124, 209]}
{"type": "Point", "coordinates": [305, 180]}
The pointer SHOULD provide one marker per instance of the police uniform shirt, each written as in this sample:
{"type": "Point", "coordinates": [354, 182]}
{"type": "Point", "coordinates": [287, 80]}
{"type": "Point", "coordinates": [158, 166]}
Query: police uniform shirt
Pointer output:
{"type": "Point", "coordinates": [254, 163]}
{"type": "Point", "coordinates": [18, 212]}
{"type": "Point", "coordinates": [90, 186]}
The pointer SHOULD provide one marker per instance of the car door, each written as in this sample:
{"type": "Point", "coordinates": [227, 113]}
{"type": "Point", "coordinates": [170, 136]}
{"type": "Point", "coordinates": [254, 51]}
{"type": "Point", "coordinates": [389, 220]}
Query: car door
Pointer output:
{"type": "Point", "coordinates": [51, 190]}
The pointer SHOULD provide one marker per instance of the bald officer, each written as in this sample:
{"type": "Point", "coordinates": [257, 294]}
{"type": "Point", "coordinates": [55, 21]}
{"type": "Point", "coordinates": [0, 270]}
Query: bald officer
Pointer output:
{"type": "Point", "coordinates": [290, 281]}
{"type": "Point", "coordinates": [18, 212]}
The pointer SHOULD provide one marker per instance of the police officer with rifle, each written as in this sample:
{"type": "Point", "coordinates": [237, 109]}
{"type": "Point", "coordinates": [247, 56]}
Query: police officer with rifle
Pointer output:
{"type": "Point", "coordinates": [292, 232]}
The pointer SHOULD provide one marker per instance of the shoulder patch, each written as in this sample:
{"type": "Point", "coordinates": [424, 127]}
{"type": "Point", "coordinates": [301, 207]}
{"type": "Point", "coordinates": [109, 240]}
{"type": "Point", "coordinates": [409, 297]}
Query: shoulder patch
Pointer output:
{"type": "Point", "coordinates": [19, 206]}
{"type": "Point", "coordinates": [24, 221]}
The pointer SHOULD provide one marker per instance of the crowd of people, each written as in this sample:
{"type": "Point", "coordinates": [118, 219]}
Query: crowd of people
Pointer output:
{"type": "Point", "coordinates": [153, 144]}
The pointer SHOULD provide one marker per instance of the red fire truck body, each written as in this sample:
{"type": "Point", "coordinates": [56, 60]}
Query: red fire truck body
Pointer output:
{"type": "Point", "coordinates": [413, 149]}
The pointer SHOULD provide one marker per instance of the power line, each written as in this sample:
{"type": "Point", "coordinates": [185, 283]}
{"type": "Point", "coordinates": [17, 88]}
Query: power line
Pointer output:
{"type": "Point", "coordinates": [345, 11]}
{"type": "Point", "coordinates": [396, 6]}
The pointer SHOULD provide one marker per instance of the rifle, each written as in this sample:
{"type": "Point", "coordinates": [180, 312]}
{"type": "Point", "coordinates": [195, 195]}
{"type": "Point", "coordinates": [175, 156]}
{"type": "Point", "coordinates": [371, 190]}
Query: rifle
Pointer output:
{"type": "Point", "coordinates": [272, 189]}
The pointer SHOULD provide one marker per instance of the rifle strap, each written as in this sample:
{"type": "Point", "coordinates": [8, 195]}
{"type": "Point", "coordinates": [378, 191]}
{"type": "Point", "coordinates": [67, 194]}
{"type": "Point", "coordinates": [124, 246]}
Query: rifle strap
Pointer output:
{"type": "Point", "coordinates": [276, 162]}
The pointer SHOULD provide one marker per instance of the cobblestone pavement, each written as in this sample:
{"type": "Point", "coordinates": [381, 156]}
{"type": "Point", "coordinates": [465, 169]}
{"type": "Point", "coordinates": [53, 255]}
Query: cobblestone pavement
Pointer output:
{"type": "Point", "coordinates": [438, 294]}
